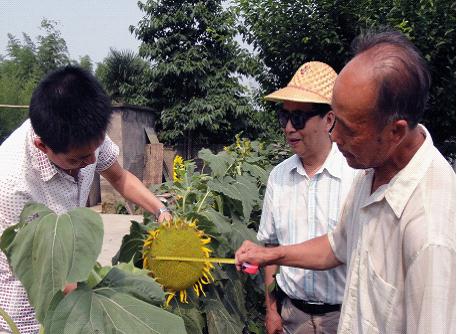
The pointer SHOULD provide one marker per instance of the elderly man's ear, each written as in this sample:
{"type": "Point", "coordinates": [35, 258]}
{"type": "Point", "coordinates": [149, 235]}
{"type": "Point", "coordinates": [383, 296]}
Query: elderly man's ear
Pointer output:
{"type": "Point", "coordinates": [398, 130]}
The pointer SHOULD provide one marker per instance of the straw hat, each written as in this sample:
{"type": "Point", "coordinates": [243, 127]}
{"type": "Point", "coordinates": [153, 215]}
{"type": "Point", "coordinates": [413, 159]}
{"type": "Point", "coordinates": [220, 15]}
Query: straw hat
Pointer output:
{"type": "Point", "coordinates": [312, 83]}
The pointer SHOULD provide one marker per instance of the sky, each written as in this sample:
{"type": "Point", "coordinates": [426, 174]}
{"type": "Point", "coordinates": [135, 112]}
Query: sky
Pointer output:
{"type": "Point", "coordinates": [89, 27]}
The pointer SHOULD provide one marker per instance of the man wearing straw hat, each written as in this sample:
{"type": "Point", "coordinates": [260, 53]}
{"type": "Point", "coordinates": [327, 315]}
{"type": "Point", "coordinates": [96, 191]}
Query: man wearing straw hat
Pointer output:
{"type": "Point", "coordinates": [303, 200]}
{"type": "Point", "coordinates": [397, 230]}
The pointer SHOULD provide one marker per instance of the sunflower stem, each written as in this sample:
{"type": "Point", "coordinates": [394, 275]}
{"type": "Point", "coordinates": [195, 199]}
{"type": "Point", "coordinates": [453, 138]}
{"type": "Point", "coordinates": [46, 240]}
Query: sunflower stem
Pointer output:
{"type": "Point", "coordinates": [203, 200]}
{"type": "Point", "coordinates": [9, 321]}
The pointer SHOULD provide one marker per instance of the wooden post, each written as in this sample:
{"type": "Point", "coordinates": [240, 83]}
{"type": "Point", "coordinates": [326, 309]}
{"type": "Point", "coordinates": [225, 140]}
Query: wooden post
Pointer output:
{"type": "Point", "coordinates": [153, 164]}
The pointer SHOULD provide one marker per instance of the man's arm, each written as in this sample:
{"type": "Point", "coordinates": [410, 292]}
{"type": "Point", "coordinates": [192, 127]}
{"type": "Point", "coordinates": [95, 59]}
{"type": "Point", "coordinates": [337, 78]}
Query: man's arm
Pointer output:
{"type": "Point", "coordinates": [430, 291]}
{"type": "Point", "coordinates": [314, 254]}
{"type": "Point", "coordinates": [273, 321]}
{"type": "Point", "coordinates": [134, 190]}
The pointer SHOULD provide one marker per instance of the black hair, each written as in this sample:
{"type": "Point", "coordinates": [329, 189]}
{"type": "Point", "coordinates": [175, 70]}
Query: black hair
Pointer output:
{"type": "Point", "coordinates": [402, 75]}
{"type": "Point", "coordinates": [323, 108]}
{"type": "Point", "coordinates": [69, 109]}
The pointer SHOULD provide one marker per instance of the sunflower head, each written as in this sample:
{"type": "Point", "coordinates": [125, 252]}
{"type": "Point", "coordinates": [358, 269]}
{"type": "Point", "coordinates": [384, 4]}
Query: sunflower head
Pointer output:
{"type": "Point", "coordinates": [179, 238]}
{"type": "Point", "coordinates": [179, 169]}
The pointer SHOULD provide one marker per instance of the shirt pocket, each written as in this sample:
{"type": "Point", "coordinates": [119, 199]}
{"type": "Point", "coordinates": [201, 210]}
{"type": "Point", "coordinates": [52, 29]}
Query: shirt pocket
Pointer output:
{"type": "Point", "coordinates": [376, 303]}
{"type": "Point", "coordinates": [282, 215]}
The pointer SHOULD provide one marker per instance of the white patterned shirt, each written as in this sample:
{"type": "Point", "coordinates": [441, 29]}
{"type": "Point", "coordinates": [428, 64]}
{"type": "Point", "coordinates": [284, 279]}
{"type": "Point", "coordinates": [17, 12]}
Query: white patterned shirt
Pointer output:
{"type": "Point", "coordinates": [26, 174]}
{"type": "Point", "coordinates": [297, 208]}
{"type": "Point", "coordinates": [399, 247]}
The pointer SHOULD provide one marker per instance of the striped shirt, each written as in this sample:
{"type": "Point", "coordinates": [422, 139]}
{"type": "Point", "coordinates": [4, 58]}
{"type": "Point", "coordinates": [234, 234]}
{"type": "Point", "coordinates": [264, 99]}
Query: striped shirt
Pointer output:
{"type": "Point", "coordinates": [297, 208]}
{"type": "Point", "coordinates": [26, 174]}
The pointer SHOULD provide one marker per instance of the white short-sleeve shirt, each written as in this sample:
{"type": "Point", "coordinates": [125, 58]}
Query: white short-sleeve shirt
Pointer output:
{"type": "Point", "coordinates": [26, 174]}
{"type": "Point", "coordinates": [399, 247]}
{"type": "Point", "coordinates": [297, 208]}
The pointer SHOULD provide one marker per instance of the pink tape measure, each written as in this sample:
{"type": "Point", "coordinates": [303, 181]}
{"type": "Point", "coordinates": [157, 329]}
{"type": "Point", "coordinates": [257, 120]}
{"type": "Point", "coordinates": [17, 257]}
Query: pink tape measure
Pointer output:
{"type": "Point", "coordinates": [249, 268]}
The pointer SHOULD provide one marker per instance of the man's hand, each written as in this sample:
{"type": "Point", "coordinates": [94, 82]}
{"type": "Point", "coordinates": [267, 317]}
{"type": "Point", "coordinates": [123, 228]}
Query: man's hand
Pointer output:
{"type": "Point", "coordinates": [273, 323]}
{"type": "Point", "coordinates": [165, 216]}
{"type": "Point", "coordinates": [251, 253]}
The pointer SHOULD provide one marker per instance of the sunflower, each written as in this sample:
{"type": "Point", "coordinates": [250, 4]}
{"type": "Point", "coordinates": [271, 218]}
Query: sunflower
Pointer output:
{"type": "Point", "coordinates": [179, 169]}
{"type": "Point", "coordinates": [179, 238]}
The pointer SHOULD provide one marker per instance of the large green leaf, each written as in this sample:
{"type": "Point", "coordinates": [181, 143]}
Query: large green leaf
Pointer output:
{"type": "Point", "coordinates": [221, 223]}
{"type": "Point", "coordinates": [234, 290]}
{"type": "Point", "coordinates": [135, 283]}
{"type": "Point", "coordinates": [52, 250]}
{"type": "Point", "coordinates": [219, 320]}
{"type": "Point", "coordinates": [243, 189]}
{"type": "Point", "coordinates": [132, 244]}
{"type": "Point", "coordinates": [219, 163]}
{"type": "Point", "coordinates": [30, 211]}
{"type": "Point", "coordinates": [108, 310]}
{"type": "Point", "coordinates": [241, 232]}
{"type": "Point", "coordinates": [192, 317]}
{"type": "Point", "coordinates": [256, 171]}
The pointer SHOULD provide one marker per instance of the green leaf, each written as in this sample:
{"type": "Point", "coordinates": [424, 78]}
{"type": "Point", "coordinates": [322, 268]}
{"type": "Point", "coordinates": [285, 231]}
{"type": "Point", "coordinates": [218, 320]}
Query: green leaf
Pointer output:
{"type": "Point", "coordinates": [219, 163]}
{"type": "Point", "coordinates": [256, 171]}
{"type": "Point", "coordinates": [219, 320]}
{"type": "Point", "coordinates": [132, 244]}
{"type": "Point", "coordinates": [52, 250]}
{"type": "Point", "coordinates": [108, 310]}
{"type": "Point", "coordinates": [140, 286]}
{"type": "Point", "coordinates": [30, 211]}
{"type": "Point", "coordinates": [243, 189]}
{"type": "Point", "coordinates": [193, 319]}
{"type": "Point", "coordinates": [221, 222]}
{"type": "Point", "coordinates": [241, 232]}
{"type": "Point", "coordinates": [234, 290]}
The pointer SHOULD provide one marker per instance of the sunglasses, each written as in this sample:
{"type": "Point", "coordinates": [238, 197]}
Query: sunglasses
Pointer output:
{"type": "Point", "coordinates": [298, 118]}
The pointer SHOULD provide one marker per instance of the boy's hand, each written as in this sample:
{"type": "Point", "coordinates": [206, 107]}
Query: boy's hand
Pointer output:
{"type": "Point", "coordinates": [69, 287]}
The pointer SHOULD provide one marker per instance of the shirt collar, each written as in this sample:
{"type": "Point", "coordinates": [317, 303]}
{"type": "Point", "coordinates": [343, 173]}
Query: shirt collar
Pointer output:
{"type": "Point", "coordinates": [40, 160]}
{"type": "Point", "coordinates": [399, 190]}
{"type": "Point", "coordinates": [332, 163]}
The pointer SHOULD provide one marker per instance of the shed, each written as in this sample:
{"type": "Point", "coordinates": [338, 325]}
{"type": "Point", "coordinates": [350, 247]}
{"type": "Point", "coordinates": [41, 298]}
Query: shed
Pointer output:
{"type": "Point", "coordinates": [132, 128]}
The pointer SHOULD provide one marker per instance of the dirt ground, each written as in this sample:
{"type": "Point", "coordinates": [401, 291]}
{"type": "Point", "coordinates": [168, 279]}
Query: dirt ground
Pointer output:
{"type": "Point", "coordinates": [116, 226]}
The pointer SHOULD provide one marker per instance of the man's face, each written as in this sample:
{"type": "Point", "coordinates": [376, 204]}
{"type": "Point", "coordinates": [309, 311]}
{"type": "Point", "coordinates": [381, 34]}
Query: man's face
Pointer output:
{"type": "Point", "coordinates": [356, 133]}
{"type": "Point", "coordinates": [75, 158]}
{"type": "Point", "coordinates": [312, 136]}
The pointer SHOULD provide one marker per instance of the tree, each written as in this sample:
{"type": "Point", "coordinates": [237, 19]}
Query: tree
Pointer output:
{"type": "Point", "coordinates": [23, 66]}
{"type": "Point", "coordinates": [195, 68]}
{"type": "Point", "coordinates": [124, 76]}
{"type": "Point", "coordinates": [86, 63]}
{"type": "Point", "coordinates": [52, 51]}
{"type": "Point", "coordinates": [286, 34]}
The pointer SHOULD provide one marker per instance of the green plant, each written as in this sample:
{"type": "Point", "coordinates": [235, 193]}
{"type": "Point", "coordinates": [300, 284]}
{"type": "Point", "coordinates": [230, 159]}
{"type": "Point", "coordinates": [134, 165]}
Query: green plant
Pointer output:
{"type": "Point", "coordinates": [118, 299]}
{"type": "Point", "coordinates": [224, 197]}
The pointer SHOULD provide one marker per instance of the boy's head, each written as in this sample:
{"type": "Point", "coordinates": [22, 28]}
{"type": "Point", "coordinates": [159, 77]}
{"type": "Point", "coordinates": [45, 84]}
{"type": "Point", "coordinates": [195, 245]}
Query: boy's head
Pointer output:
{"type": "Point", "coordinates": [69, 109]}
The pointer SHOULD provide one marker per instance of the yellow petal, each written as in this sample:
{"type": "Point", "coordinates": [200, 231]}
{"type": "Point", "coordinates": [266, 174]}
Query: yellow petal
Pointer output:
{"type": "Point", "coordinates": [169, 298]}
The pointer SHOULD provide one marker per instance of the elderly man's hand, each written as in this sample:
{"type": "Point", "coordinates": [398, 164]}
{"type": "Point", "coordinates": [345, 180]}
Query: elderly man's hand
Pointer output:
{"type": "Point", "coordinates": [251, 253]}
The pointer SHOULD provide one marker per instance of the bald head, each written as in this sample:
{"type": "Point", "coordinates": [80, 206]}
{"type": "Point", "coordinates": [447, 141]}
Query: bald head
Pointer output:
{"type": "Point", "coordinates": [398, 72]}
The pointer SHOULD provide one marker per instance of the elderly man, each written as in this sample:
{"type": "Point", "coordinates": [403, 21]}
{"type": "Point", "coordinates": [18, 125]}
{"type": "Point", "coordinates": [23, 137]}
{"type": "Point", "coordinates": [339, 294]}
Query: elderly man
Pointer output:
{"type": "Point", "coordinates": [397, 230]}
{"type": "Point", "coordinates": [303, 199]}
